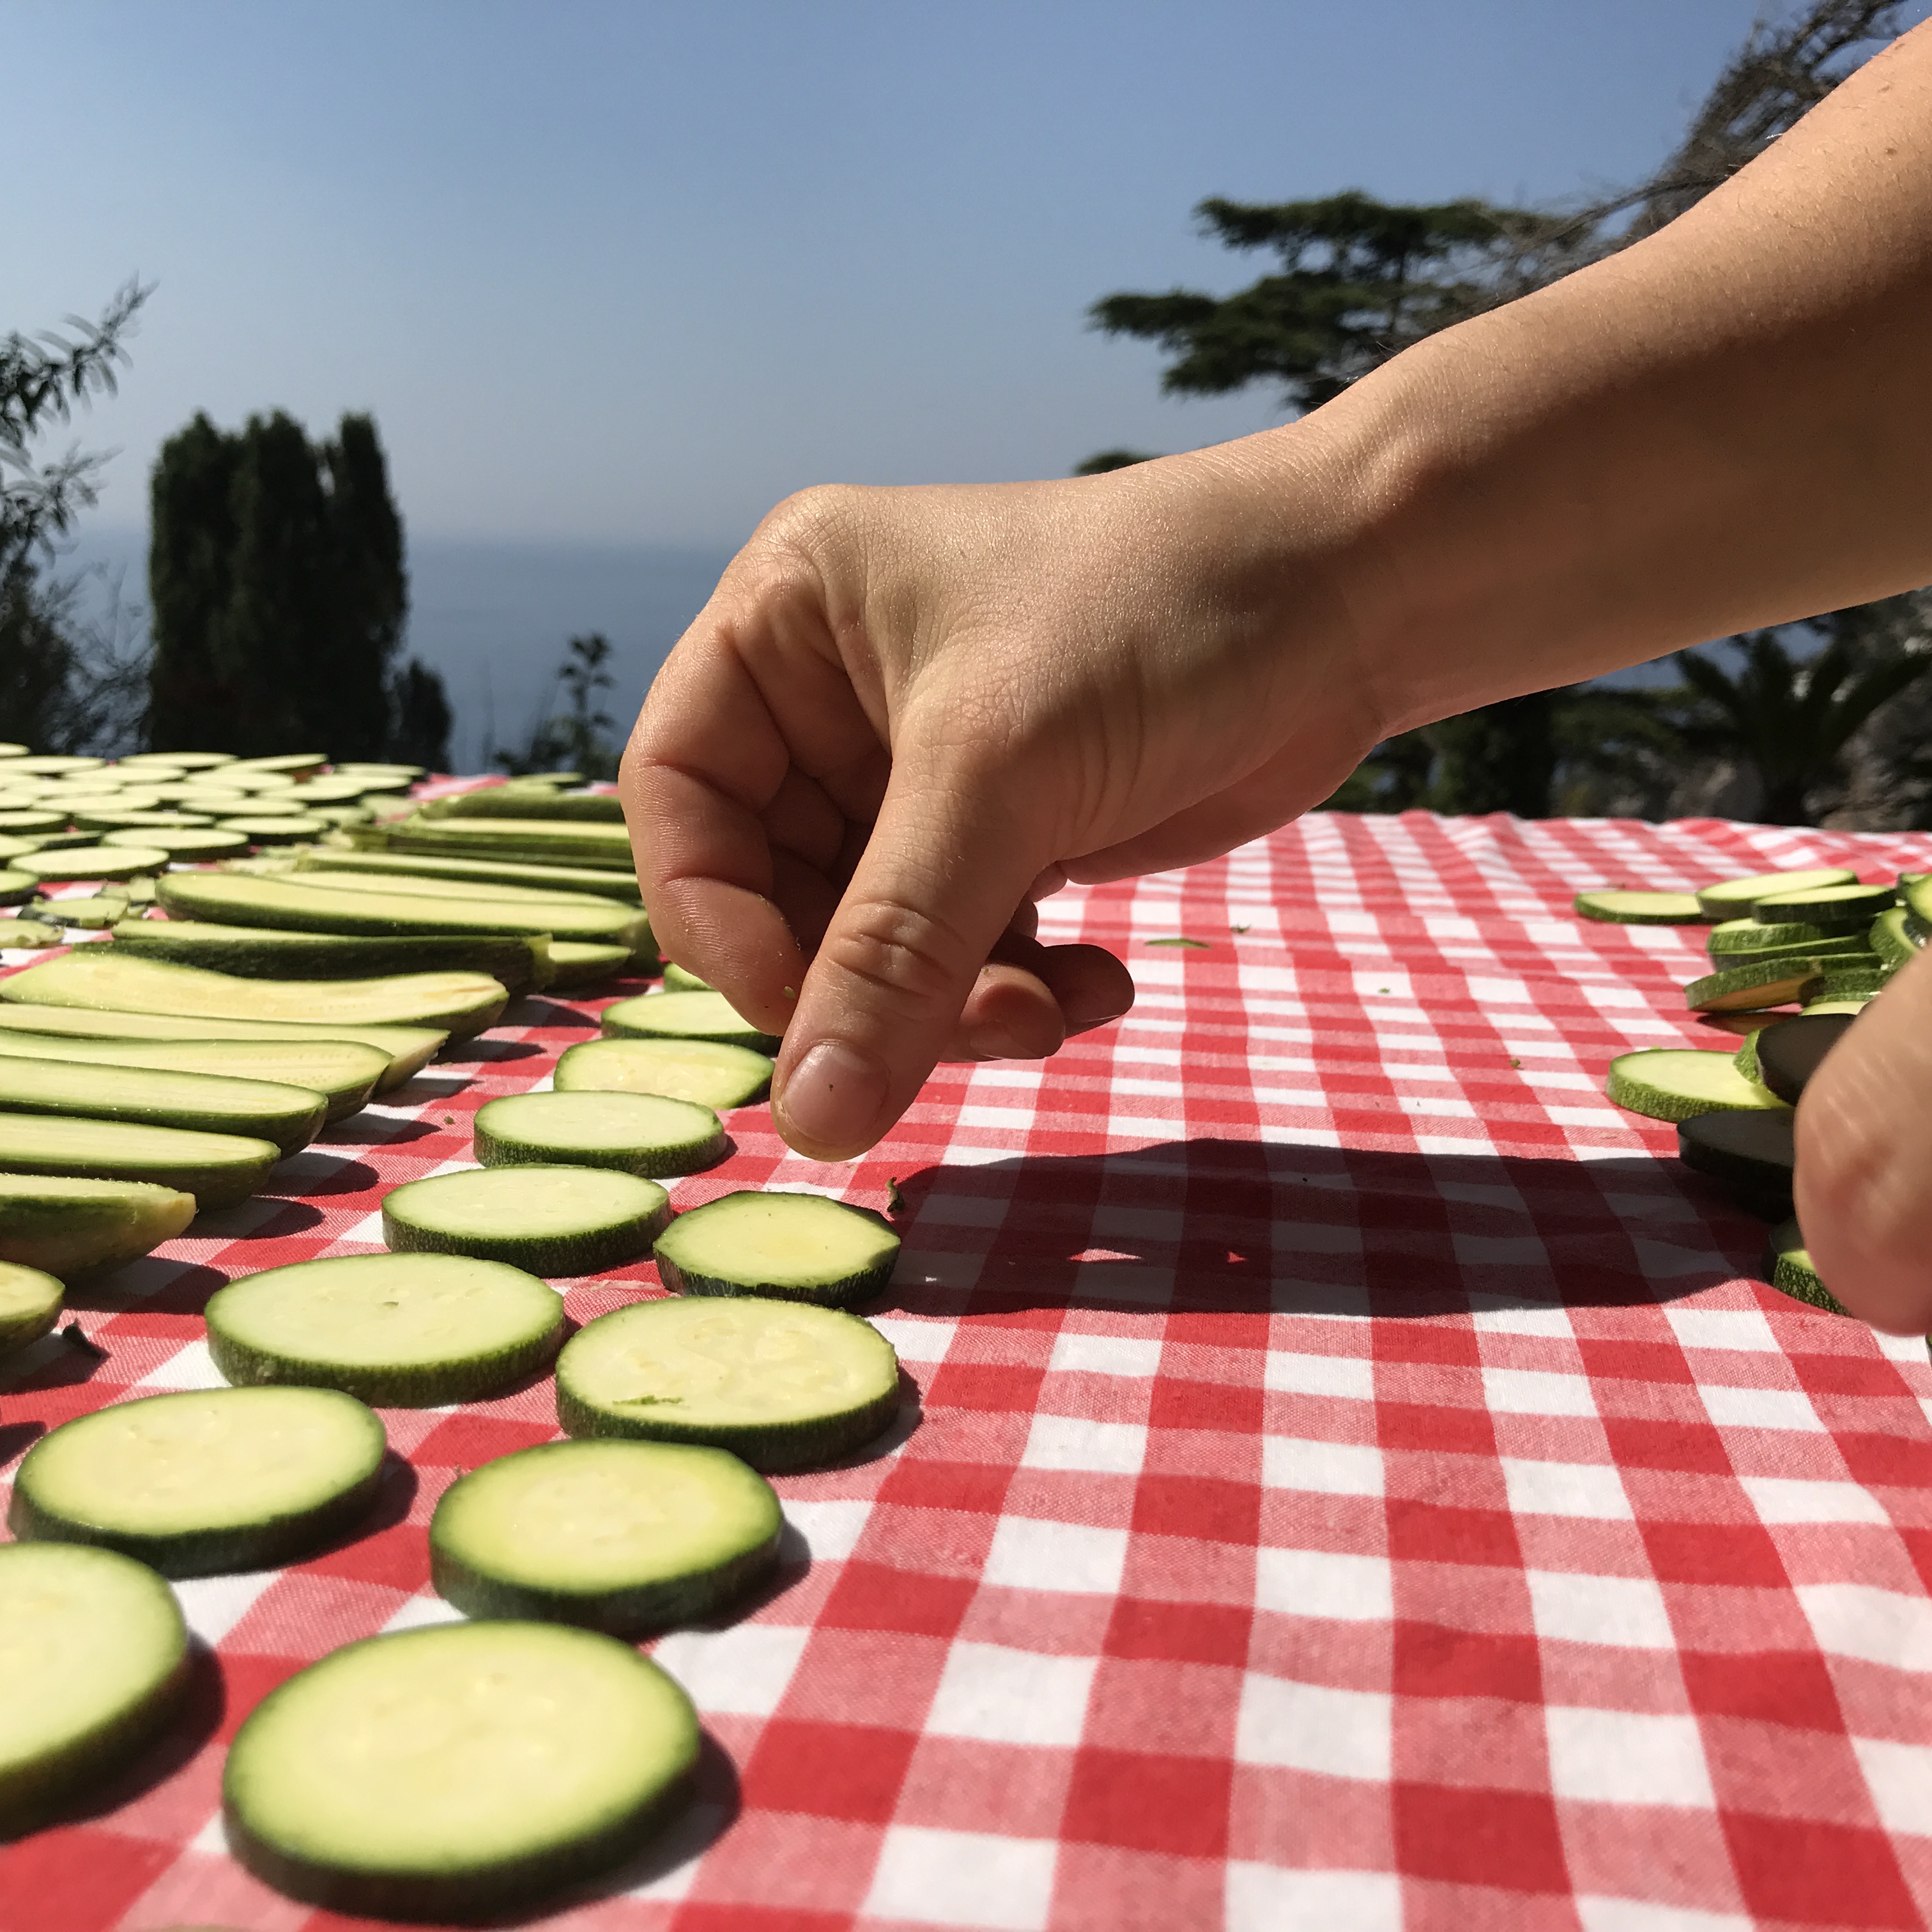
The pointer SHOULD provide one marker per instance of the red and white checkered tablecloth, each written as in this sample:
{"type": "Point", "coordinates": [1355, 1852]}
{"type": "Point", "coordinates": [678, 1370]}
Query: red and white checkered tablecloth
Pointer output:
{"type": "Point", "coordinates": [1360, 1482]}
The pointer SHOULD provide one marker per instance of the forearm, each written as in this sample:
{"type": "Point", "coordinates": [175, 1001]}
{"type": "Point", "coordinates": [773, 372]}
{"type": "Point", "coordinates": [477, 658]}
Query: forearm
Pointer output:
{"type": "Point", "coordinates": [1724, 427]}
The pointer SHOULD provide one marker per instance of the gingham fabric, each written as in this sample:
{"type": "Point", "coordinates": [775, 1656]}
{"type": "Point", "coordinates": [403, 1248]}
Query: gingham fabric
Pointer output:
{"type": "Point", "coordinates": [1358, 1481]}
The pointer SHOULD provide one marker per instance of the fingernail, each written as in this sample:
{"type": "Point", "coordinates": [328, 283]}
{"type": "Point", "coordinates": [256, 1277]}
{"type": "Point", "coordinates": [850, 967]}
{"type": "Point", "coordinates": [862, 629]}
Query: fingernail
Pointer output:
{"type": "Point", "coordinates": [833, 1098]}
{"type": "Point", "coordinates": [990, 1041]}
{"type": "Point", "coordinates": [1077, 1023]}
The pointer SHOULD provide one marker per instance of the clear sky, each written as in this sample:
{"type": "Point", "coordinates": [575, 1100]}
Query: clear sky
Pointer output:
{"type": "Point", "coordinates": [628, 273]}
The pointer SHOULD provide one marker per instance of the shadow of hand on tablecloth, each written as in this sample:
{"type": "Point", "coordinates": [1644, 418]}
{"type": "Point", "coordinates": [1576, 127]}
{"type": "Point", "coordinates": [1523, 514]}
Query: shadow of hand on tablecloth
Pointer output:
{"type": "Point", "coordinates": [1260, 1227]}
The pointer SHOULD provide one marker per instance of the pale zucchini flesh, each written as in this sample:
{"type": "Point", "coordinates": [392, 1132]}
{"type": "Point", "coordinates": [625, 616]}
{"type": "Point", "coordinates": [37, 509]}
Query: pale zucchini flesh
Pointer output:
{"type": "Point", "coordinates": [185, 845]}
{"type": "Point", "coordinates": [677, 980]}
{"type": "Point", "coordinates": [465, 1769]}
{"type": "Point", "coordinates": [475, 873]}
{"type": "Point", "coordinates": [207, 1103]}
{"type": "Point", "coordinates": [797, 1247]}
{"type": "Point", "coordinates": [783, 1385]}
{"type": "Point", "coordinates": [695, 1016]}
{"type": "Point", "coordinates": [553, 1220]}
{"type": "Point", "coordinates": [217, 1169]}
{"type": "Point", "coordinates": [402, 1331]}
{"type": "Point", "coordinates": [96, 911]}
{"type": "Point", "coordinates": [204, 1481]}
{"type": "Point", "coordinates": [1823, 904]}
{"type": "Point", "coordinates": [68, 1224]}
{"type": "Point", "coordinates": [582, 962]}
{"type": "Point", "coordinates": [709, 1072]}
{"type": "Point", "coordinates": [95, 976]}
{"type": "Point", "coordinates": [1628, 908]}
{"type": "Point", "coordinates": [545, 801]}
{"type": "Point", "coordinates": [624, 1537]}
{"type": "Point", "coordinates": [1676, 1083]}
{"type": "Point", "coordinates": [1730, 897]}
{"type": "Point", "coordinates": [635, 1133]}
{"type": "Point", "coordinates": [92, 862]}
{"type": "Point", "coordinates": [30, 1300]}
{"type": "Point", "coordinates": [93, 1665]}
{"type": "Point", "coordinates": [406, 1050]}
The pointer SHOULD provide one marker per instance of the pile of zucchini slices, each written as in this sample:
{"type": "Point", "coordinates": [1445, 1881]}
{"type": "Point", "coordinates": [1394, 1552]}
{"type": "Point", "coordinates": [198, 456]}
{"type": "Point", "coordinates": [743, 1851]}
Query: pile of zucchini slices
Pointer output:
{"type": "Point", "coordinates": [1795, 956]}
{"type": "Point", "coordinates": [269, 943]}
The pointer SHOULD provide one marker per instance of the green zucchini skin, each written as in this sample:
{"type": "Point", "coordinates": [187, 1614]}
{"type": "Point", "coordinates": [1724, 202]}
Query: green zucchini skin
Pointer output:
{"type": "Point", "coordinates": [32, 1795]}
{"type": "Point", "coordinates": [484, 1890]}
{"type": "Point", "coordinates": [482, 873]}
{"type": "Point", "coordinates": [684, 1016]}
{"type": "Point", "coordinates": [285, 1537]}
{"type": "Point", "coordinates": [680, 1274]}
{"type": "Point", "coordinates": [589, 1251]}
{"type": "Point", "coordinates": [218, 1169]}
{"type": "Point", "coordinates": [261, 952]}
{"type": "Point", "coordinates": [514, 801]}
{"type": "Point", "coordinates": [462, 1575]}
{"type": "Point", "coordinates": [30, 1305]}
{"type": "Point", "coordinates": [208, 1103]}
{"type": "Point", "coordinates": [510, 1133]}
{"type": "Point", "coordinates": [68, 1224]}
{"type": "Point", "coordinates": [538, 841]}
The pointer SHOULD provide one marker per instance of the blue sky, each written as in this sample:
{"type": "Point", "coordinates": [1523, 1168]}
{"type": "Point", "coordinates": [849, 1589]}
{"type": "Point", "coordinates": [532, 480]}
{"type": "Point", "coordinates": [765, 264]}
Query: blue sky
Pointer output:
{"type": "Point", "coordinates": [627, 274]}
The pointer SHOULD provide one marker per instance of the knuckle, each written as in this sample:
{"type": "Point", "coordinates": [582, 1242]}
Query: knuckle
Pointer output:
{"type": "Point", "coordinates": [906, 955]}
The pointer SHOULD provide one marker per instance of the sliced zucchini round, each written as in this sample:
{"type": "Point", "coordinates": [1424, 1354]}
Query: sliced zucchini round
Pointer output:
{"type": "Point", "coordinates": [797, 1247]}
{"type": "Point", "coordinates": [65, 1224]}
{"type": "Point", "coordinates": [616, 1536]}
{"type": "Point", "coordinates": [17, 887]}
{"type": "Point", "coordinates": [1788, 1267]}
{"type": "Point", "coordinates": [1851, 1003]}
{"type": "Point", "coordinates": [1753, 1151]}
{"type": "Point", "coordinates": [1821, 904]}
{"type": "Point", "coordinates": [30, 932]}
{"type": "Point", "coordinates": [636, 1133]}
{"type": "Point", "coordinates": [1672, 1083]}
{"type": "Point", "coordinates": [706, 1016]}
{"type": "Point", "coordinates": [276, 828]}
{"type": "Point", "coordinates": [1896, 937]}
{"type": "Point", "coordinates": [1730, 897]}
{"type": "Point", "coordinates": [92, 862]}
{"type": "Point", "coordinates": [1753, 935]}
{"type": "Point", "coordinates": [94, 1660]}
{"type": "Point", "coordinates": [205, 1481]}
{"type": "Point", "coordinates": [585, 962]}
{"type": "Point", "coordinates": [466, 1769]}
{"type": "Point", "coordinates": [706, 1072]}
{"type": "Point", "coordinates": [184, 843]}
{"type": "Point", "coordinates": [677, 980]}
{"type": "Point", "coordinates": [1751, 989]}
{"type": "Point", "coordinates": [783, 1385]}
{"type": "Point", "coordinates": [31, 818]}
{"type": "Point", "coordinates": [1851, 947]}
{"type": "Point", "coordinates": [30, 1301]}
{"type": "Point", "coordinates": [1789, 1054]}
{"type": "Point", "coordinates": [96, 911]}
{"type": "Point", "coordinates": [401, 1331]}
{"type": "Point", "coordinates": [1844, 979]}
{"type": "Point", "coordinates": [551, 1220]}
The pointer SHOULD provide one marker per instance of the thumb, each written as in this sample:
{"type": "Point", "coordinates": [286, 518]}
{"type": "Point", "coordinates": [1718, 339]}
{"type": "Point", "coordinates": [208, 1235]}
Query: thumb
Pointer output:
{"type": "Point", "coordinates": [947, 861]}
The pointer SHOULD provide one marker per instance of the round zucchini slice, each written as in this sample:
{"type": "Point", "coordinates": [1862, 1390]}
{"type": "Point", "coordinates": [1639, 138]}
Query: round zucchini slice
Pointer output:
{"type": "Point", "coordinates": [1852, 903]}
{"type": "Point", "coordinates": [1754, 1152]}
{"type": "Point", "coordinates": [30, 932]}
{"type": "Point", "coordinates": [1616, 908]}
{"type": "Point", "coordinates": [1788, 1268]}
{"type": "Point", "coordinates": [17, 887]}
{"type": "Point", "coordinates": [684, 1016]}
{"type": "Point", "coordinates": [636, 1133]}
{"type": "Point", "coordinates": [98, 911]}
{"type": "Point", "coordinates": [616, 1536]}
{"type": "Point", "coordinates": [550, 1220]}
{"type": "Point", "coordinates": [1672, 1083]}
{"type": "Point", "coordinates": [183, 843]}
{"type": "Point", "coordinates": [677, 980]}
{"type": "Point", "coordinates": [782, 1385]}
{"type": "Point", "coordinates": [205, 1481]}
{"type": "Point", "coordinates": [466, 1769]}
{"type": "Point", "coordinates": [705, 1072]}
{"type": "Point", "coordinates": [403, 1331]}
{"type": "Point", "coordinates": [1730, 897]}
{"type": "Point", "coordinates": [30, 1305]}
{"type": "Point", "coordinates": [1753, 935]}
{"type": "Point", "coordinates": [94, 1660]}
{"type": "Point", "coordinates": [1789, 1054]}
{"type": "Point", "coordinates": [92, 862]}
{"type": "Point", "coordinates": [797, 1247]}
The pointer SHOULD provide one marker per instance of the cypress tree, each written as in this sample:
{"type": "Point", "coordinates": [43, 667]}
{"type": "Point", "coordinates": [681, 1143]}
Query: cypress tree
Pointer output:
{"type": "Point", "coordinates": [190, 550]}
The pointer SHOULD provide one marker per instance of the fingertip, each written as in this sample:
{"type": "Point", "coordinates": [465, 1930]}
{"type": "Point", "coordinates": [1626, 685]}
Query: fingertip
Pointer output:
{"type": "Point", "coordinates": [831, 1106]}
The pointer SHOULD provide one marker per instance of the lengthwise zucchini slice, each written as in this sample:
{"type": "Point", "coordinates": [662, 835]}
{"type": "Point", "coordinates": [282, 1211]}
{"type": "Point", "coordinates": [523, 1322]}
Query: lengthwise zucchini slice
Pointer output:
{"type": "Point", "coordinates": [1754, 1152]}
{"type": "Point", "coordinates": [796, 1247]}
{"type": "Point", "coordinates": [1628, 908]}
{"type": "Point", "coordinates": [217, 1169]}
{"type": "Point", "coordinates": [343, 1073]}
{"type": "Point", "coordinates": [616, 1536]}
{"type": "Point", "coordinates": [205, 1481]}
{"type": "Point", "coordinates": [545, 801]}
{"type": "Point", "coordinates": [476, 873]}
{"type": "Point", "coordinates": [709, 1016]}
{"type": "Point", "coordinates": [636, 1133]}
{"type": "Point", "coordinates": [551, 1220]}
{"type": "Point", "coordinates": [288, 903]}
{"type": "Point", "coordinates": [255, 952]}
{"type": "Point", "coordinates": [1730, 897]}
{"type": "Point", "coordinates": [94, 1663]}
{"type": "Point", "coordinates": [106, 979]}
{"type": "Point", "coordinates": [67, 1223]}
{"type": "Point", "coordinates": [1676, 1083]}
{"type": "Point", "coordinates": [1789, 1054]}
{"type": "Point", "coordinates": [707, 1071]}
{"type": "Point", "coordinates": [402, 1331]}
{"type": "Point", "coordinates": [406, 1050]}
{"type": "Point", "coordinates": [1787, 1267]}
{"type": "Point", "coordinates": [459, 1771]}
{"type": "Point", "coordinates": [783, 1385]}
{"type": "Point", "coordinates": [208, 1103]}
{"type": "Point", "coordinates": [30, 1302]}
{"type": "Point", "coordinates": [540, 840]}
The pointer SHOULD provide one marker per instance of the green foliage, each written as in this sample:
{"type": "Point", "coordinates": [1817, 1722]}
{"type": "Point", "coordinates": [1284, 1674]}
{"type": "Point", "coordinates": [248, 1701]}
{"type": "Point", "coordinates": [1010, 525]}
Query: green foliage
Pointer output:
{"type": "Point", "coordinates": [1104, 460]}
{"type": "Point", "coordinates": [279, 593]}
{"type": "Point", "coordinates": [421, 732]}
{"type": "Point", "coordinates": [577, 738]}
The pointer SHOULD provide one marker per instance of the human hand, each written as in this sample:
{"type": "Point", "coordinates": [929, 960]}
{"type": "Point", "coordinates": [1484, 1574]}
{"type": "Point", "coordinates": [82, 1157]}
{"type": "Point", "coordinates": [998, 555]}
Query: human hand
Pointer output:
{"type": "Point", "coordinates": [905, 715]}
